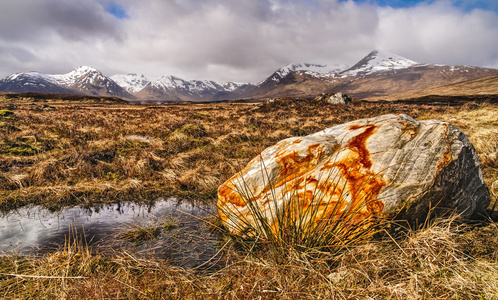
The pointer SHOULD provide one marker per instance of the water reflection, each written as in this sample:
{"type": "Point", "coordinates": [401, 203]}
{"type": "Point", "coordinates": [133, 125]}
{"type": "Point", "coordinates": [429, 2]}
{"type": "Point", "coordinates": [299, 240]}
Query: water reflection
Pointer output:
{"type": "Point", "coordinates": [188, 243]}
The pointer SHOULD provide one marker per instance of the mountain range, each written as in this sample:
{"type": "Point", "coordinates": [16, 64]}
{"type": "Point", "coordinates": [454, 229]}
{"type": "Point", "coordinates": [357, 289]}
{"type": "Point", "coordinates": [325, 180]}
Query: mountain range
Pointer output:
{"type": "Point", "coordinates": [377, 75]}
{"type": "Point", "coordinates": [81, 81]}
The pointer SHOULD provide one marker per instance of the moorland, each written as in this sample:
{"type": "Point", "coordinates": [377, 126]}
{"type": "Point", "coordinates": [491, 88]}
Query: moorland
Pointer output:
{"type": "Point", "coordinates": [88, 153]}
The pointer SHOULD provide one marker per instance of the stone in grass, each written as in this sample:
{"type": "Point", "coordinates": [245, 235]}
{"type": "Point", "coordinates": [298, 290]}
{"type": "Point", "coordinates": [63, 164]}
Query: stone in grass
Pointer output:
{"type": "Point", "coordinates": [48, 107]}
{"type": "Point", "coordinates": [386, 166]}
{"type": "Point", "coordinates": [337, 98]}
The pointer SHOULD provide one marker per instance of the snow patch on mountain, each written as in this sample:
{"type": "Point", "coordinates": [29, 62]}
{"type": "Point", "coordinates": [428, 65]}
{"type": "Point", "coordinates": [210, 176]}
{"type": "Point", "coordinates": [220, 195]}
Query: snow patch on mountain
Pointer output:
{"type": "Point", "coordinates": [231, 86]}
{"type": "Point", "coordinates": [378, 61]}
{"type": "Point", "coordinates": [132, 82]}
{"type": "Point", "coordinates": [31, 77]}
{"type": "Point", "coordinates": [170, 82]}
{"type": "Point", "coordinates": [315, 70]}
{"type": "Point", "coordinates": [194, 86]}
{"type": "Point", "coordinates": [72, 77]}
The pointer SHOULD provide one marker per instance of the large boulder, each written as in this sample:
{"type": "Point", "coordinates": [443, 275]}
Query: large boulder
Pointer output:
{"type": "Point", "coordinates": [386, 166]}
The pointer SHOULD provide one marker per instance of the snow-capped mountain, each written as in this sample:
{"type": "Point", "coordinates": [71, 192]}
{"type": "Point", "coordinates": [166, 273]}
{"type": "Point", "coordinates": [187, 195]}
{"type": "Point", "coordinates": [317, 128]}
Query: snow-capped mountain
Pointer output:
{"type": "Point", "coordinates": [175, 88]}
{"type": "Point", "coordinates": [286, 78]}
{"type": "Point", "coordinates": [194, 86]}
{"type": "Point", "coordinates": [378, 61]}
{"type": "Point", "coordinates": [34, 82]}
{"type": "Point", "coordinates": [314, 70]}
{"type": "Point", "coordinates": [376, 75]}
{"type": "Point", "coordinates": [81, 81]}
{"type": "Point", "coordinates": [89, 81]}
{"type": "Point", "coordinates": [72, 77]}
{"type": "Point", "coordinates": [131, 82]}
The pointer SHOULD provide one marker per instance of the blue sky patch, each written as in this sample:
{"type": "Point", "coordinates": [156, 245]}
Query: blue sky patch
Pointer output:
{"type": "Point", "coordinates": [466, 5]}
{"type": "Point", "coordinates": [117, 10]}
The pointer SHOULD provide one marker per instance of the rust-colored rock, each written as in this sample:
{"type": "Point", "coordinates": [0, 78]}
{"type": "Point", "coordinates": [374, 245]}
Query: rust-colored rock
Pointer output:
{"type": "Point", "coordinates": [384, 166]}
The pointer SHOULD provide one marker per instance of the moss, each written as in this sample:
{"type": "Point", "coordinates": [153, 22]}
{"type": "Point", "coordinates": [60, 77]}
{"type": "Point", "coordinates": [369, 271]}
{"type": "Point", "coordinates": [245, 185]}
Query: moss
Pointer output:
{"type": "Point", "coordinates": [22, 150]}
{"type": "Point", "coordinates": [6, 113]}
{"type": "Point", "coordinates": [189, 130]}
{"type": "Point", "coordinates": [202, 115]}
{"type": "Point", "coordinates": [130, 146]}
{"type": "Point", "coordinates": [25, 146]}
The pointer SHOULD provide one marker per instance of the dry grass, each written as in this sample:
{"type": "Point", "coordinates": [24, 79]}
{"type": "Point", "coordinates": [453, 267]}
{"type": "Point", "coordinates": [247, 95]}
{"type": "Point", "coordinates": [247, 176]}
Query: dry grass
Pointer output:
{"type": "Point", "coordinates": [446, 260]}
{"type": "Point", "coordinates": [83, 154]}
{"type": "Point", "coordinates": [93, 153]}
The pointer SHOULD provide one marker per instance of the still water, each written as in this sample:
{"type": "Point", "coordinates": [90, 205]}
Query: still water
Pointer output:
{"type": "Point", "coordinates": [188, 243]}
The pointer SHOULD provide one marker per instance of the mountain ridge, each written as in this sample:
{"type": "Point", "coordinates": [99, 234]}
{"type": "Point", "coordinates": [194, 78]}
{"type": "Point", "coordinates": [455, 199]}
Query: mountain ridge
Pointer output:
{"type": "Point", "coordinates": [378, 61]}
{"type": "Point", "coordinates": [83, 80]}
{"type": "Point", "coordinates": [378, 74]}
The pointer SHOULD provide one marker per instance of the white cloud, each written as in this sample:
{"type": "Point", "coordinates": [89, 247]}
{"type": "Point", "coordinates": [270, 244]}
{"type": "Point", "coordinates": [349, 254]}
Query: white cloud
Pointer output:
{"type": "Point", "coordinates": [250, 38]}
{"type": "Point", "coordinates": [440, 33]}
{"type": "Point", "coordinates": [232, 40]}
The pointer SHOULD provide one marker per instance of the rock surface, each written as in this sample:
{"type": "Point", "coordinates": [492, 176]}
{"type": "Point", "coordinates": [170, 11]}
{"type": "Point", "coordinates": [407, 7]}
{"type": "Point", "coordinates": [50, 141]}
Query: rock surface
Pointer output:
{"type": "Point", "coordinates": [387, 166]}
{"type": "Point", "coordinates": [337, 98]}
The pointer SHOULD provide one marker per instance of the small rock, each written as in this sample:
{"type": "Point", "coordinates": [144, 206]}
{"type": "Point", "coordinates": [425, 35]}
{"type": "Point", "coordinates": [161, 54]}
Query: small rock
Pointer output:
{"type": "Point", "coordinates": [48, 107]}
{"type": "Point", "coordinates": [337, 98]}
{"type": "Point", "coordinates": [335, 277]}
{"type": "Point", "coordinates": [145, 139]}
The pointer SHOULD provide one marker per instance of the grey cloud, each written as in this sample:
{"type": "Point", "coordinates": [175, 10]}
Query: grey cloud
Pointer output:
{"type": "Point", "coordinates": [258, 36]}
{"type": "Point", "coordinates": [74, 20]}
{"type": "Point", "coordinates": [16, 54]}
{"type": "Point", "coordinates": [243, 40]}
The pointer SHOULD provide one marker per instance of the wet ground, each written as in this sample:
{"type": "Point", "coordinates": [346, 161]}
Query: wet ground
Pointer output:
{"type": "Point", "coordinates": [183, 236]}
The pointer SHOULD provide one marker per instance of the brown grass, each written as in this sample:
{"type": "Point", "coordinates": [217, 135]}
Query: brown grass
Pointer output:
{"type": "Point", "coordinates": [446, 260]}
{"type": "Point", "coordinates": [82, 154]}
{"type": "Point", "coordinates": [93, 154]}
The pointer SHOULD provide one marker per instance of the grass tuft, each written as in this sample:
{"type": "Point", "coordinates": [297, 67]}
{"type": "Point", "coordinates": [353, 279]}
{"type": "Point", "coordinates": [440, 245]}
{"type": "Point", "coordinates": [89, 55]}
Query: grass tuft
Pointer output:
{"type": "Point", "coordinates": [334, 217]}
{"type": "Point", "coordinates": [138, 234]}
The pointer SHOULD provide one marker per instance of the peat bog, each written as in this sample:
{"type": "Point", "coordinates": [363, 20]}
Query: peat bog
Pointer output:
{"type": "Point", "coordinates": [89, 155]}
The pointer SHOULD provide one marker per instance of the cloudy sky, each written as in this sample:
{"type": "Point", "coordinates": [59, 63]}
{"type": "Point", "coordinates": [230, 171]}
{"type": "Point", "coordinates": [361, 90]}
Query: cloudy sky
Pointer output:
{"type": "Point", "coordinates": [242, 40]}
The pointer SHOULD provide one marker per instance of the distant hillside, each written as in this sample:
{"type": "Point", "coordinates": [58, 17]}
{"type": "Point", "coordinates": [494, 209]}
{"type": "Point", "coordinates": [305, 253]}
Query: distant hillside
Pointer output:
{"type": "Point", "coordinates": [376, 76]}
{"type": "Point", "coordinates": [482, 87]}
{"type": "Point", "coordinates": [51, 98]}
